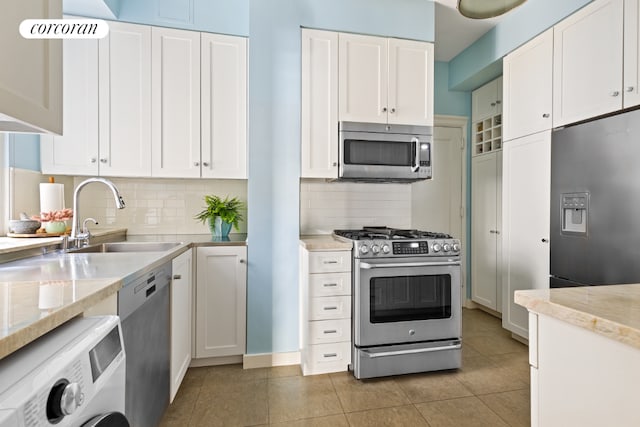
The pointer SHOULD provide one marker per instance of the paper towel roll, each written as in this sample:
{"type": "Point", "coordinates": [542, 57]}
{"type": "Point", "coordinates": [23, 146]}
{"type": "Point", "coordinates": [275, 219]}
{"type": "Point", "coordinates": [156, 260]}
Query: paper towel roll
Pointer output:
{"type": "Point", "coordinates": [51, 197]}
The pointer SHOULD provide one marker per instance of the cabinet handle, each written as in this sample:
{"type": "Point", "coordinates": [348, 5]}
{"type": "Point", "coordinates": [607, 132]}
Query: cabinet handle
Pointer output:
{"type": "Point", "coordinates": [177, 277]}
{"type": "Point", "coordinates": [93, 160]}
{"type": "Point", "coordinates": [330, 262]}
{"type": "Point", "coordinates": [242, 261]}
{"type": "Point", "coordinates": [630, 88]}
{"type": "Point", "coordinates": [331, 307]}
{"type": "Point", "coordinates": [545, 240]}
{"type": "Point", "coordinates": [498, 102]}
{"type": "Point", "coordinates": [384, 109]}
{"type": "Point", "coordinates": [330, 331]}
{"type": "Point", "coordinates": [393, 110]}
{"type": "Point", "coordinates": [327, 355]}
{"type": "Point", "coordinates": [494, 232]}
{"type": "Point", "coordinates": [546, 115]}
{"type": "Point", "coordinates": [205, 164]}
{"type": "Point", "coordinates": [615, 93]}
{"type": "Point", "coordinates": [103, 160]}
{"type": "Point", "coordinates": [493, 104]}
{"type": "Point", "coordinates": [330, 285]}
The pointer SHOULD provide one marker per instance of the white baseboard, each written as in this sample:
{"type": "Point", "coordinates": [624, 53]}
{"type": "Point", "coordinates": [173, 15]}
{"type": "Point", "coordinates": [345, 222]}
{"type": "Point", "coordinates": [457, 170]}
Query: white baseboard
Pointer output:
{"type": "Point", "coordinates": [267, 360]}
{"type": "Point", "coordinates": [215, 361]}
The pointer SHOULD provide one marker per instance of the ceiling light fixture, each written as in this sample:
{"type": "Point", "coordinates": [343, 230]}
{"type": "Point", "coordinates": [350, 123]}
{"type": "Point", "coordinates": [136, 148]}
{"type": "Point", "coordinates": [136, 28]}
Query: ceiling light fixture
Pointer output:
{"type": "Point", "coordinates": [483, 9]}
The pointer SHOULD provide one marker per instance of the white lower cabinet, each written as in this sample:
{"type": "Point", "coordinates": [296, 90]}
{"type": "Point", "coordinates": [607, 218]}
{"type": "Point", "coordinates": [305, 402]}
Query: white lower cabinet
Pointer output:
{"type": "Point", "coordinates": [325, 328]}
{"type": "Point", "coordinates": [181, 318]}
{"type": "Point", "coordinates": [220, 301]}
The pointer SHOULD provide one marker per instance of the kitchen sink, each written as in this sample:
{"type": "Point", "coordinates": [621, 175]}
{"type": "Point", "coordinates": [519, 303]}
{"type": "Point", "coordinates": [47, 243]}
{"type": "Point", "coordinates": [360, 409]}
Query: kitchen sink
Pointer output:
{"type": "Point", "coordinates": [127, 247]}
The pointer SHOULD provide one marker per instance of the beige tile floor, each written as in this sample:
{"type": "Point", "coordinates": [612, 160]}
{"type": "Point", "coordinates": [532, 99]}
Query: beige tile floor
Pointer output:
{"type": "Point", "coordinates": [491, 389]}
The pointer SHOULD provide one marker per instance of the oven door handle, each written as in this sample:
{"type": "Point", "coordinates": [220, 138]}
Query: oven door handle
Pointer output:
{"type": "Point", "coordinates": [416, 166]}
{"type": "Point", "coordinates": [455, 346]}
{"type": "Point", "coordinates": [369, 266]}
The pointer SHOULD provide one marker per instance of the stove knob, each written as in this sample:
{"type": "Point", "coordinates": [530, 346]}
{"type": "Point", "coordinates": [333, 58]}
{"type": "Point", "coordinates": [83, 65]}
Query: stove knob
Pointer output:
{"type": "Point", "coordinates": [375, 249]}
{"type": "Point", "coordinates": [446, 247]}
{"type": "Point", "coordinates": [386, 249]}
{"type": "Point", "coordinates": [364, 249]}
{"type": "Point", "coordinates": [436, 247]}
{"type": "Point", "coordinates": [456, 247]}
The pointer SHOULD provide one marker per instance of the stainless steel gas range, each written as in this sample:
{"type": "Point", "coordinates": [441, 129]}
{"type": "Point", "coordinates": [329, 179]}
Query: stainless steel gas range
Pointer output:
{"type": "Point", "coordinates": [407, 309]}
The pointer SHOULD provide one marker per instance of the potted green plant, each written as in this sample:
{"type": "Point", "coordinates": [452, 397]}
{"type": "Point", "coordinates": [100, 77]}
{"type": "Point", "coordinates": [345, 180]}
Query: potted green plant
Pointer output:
{"type": "Point", "coordinates": [221, 214]}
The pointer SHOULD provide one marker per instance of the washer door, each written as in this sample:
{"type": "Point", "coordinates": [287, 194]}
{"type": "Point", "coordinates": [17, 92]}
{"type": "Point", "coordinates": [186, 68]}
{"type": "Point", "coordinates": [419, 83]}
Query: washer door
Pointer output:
{"type": "Point", "coordinates": [112, 419]}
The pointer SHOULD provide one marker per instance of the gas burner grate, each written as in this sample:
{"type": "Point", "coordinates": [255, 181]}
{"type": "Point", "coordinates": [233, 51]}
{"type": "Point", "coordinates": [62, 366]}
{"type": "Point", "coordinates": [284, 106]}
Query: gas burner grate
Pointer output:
{"type": "Point", "coordinates": [370, 233]}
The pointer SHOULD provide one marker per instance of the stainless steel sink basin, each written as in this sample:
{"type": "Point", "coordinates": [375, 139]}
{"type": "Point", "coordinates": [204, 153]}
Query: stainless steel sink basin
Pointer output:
{"type": "Point", "coordinates": [127, 247]}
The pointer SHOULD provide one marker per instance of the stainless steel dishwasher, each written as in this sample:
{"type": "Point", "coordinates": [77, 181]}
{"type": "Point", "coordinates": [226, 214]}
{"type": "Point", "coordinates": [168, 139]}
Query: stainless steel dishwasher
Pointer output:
{"type": "Point", "coordinates": [143, 307]}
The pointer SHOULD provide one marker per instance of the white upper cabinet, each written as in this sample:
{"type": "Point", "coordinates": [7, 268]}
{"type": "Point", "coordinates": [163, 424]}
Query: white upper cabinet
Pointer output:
{"type": "Point", "coordinates": [76, 151]}
{"type": "Point", "coordinates": [224, 106]}
{"type": "Point", "coordinates": [587, 63]}
{"type": "Point", "coordinates": [363, 78]}
{"type": "Point", "coordinates": [31, 74]}
{"type": "Point", "coordinates": [631, 77]}
{"type": "Point", "coordinates": [528, 88]}
{"type": "Point", "coordinates": [486, 101]}
{"type": "Point", "coordinates": [125, 100]}
{"type": "Point", "coordinates": [319, 121]}
{"type": "Point", "coordinates": [175, 120]}
{"type": "Point", "coordinates": [410, 93]}
{"type": "Point", "coordinates": [384, 80]}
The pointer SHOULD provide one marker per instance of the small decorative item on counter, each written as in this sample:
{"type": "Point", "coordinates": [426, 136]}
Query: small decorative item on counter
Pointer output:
{"type": "Point", "coordinates": [54, 221]}
{"type": "Point", "coordinates": [221, 214]}
{"type": "Point", "coordinates": [24, 225]}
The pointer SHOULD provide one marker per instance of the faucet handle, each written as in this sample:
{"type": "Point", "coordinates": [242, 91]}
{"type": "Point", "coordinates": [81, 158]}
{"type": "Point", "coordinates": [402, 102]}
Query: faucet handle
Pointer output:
{"type": "Point", "coordinates": [85, 229]}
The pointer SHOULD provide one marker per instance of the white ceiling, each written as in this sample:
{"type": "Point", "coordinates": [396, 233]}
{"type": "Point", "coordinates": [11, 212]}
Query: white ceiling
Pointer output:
{"type": "Point", "coordinates": [455, 32]}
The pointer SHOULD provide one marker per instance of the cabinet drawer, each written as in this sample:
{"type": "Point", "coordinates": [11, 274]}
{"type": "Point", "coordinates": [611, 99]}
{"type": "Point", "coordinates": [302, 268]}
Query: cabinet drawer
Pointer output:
{"type": "Point", "coordinates": [329, 262]}
{"type": "Point", "coordinates": [329, 284]}
{"type": "Point", "coordinates": [330, 331]}
{"type": "Point", "coordinates": [323, 358]}
{"type": "Point", "coordinates": [323, 308]}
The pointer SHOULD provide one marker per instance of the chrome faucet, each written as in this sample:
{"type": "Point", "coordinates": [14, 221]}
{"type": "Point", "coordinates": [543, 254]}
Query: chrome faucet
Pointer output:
{"type": "Point", "coordinates": [80, 238]}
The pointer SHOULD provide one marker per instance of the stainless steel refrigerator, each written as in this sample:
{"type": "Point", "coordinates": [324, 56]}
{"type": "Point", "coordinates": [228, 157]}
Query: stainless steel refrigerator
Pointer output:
{"type": "Point", "coordinates": [595, 202]}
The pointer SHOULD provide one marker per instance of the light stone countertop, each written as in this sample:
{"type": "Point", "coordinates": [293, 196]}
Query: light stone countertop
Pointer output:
{"type": "Point", "coordinates": [39, 293]}
{"type": "Point", "coordinates": [325, 242]}
{"type": "Point", "coordinates": [612, 310]}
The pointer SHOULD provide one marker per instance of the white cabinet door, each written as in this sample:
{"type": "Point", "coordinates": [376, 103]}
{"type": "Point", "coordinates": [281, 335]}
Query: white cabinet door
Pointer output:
{"type": "Point", "coordinates": [528, 95]}
{"type": "Point", "coordinates": [31, 72]}
{"type": "Point", "coordinates": [125, 100]}
{"type": "Point", "coordinates": [486, 100]}
{"type": "Point", "coordinates": [362, 78]}
{"type": "Point", "coordinates": [221, 276]}
{"type": "Point", "coordinates": [525, 223]}
{"type": "Point", "coordinates": [224, 106]}
{"type": "Point", "coordinates": [181, 318]}
{"type": "Point", "coordinates": [175, 120]}
{"type": "Point", "coordinates": [319, 136]}
{"type": "Point", "coordinates": [410, 82]}
{"type": "Point", "coordinates": [76, 151]}
{"type": "Point", "coordinates": [631, 84]}
{"type": "Point", "coordinates": [485, 229]}
{"type": "Point", "coordinates": [587, 63]}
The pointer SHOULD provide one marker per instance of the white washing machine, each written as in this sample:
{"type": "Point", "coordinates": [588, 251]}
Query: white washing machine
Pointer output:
{"type": "Point", "coordinates": [72, 376]}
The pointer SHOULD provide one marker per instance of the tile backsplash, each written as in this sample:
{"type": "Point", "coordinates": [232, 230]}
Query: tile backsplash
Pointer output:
{"type": "Point", "coordinates": [325, 206]}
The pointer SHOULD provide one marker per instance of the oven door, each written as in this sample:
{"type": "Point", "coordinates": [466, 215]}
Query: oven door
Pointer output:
{"type": "Point", "coordinates": [404, 300]}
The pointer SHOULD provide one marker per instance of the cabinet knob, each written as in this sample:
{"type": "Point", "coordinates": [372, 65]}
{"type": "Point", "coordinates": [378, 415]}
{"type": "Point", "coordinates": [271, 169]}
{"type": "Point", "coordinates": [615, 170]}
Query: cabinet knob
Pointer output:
{"type": "Point", "coordinates": [335, 164]}
{"type": "Point", "coordinates": [205, 164]}
{"type": "Point", "coordinates": [498, 102]}
{"type": "Point", "coordinates": [242, 261]}
{"type": "Point", "coordinates": [545, 240]}
{"type": "Point", "coordinates": [196, 163]}
{"type": "Point", "coordinates": [93, 160]}
{"type": "Point", "coordinates": [615, 93]}
{"type": "Point", "coordinates": [384, 109]}
{"type": "Point", "coordinates": [103, 160]}
{"type": "Point", "coordinates": [630, 88]}
{"type": "Point", "coordinates": [393, 110]}
{"type": "Point", "coordinates": [493, 104]}
{"type": "Point", "coordinates": [177, 277]}
{"type": "Point", "coordinates": [546, 115]}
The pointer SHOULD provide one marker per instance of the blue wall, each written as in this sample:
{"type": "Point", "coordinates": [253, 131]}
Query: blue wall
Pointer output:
{"type": "Point", "coordinates": [24, 151]}
{"type": "Point", "coordinates": [446, 101]}
{"type": "Point", "coordinates": [482, 61]}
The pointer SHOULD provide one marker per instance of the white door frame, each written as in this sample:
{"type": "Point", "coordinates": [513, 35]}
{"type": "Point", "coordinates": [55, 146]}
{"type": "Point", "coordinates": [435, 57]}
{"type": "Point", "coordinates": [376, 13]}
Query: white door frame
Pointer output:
{"type": "Point", "coordinates": [462, 123]}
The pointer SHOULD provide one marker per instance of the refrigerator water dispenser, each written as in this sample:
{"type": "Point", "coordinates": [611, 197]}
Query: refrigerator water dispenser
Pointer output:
{"type": "Point", "coordinates": [575, 207]}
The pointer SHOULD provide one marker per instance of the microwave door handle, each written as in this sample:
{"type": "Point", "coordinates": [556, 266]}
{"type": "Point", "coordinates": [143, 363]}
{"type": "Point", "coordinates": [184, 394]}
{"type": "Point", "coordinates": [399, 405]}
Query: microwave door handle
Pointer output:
{"type": "Point", "coordinates": [416, 146]}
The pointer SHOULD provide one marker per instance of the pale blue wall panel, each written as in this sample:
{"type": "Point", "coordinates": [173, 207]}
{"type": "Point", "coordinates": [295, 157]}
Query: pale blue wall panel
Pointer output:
{"type": "Point", "coordinates": [24, 151]}
{"type": "Point", "coordinates": [446, 101]}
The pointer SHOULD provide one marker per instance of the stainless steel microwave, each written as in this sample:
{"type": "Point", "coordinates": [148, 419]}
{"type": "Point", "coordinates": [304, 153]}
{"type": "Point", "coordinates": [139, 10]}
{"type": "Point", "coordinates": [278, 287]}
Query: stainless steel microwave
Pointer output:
{"type": "Point", "coordinates": [384, 153]}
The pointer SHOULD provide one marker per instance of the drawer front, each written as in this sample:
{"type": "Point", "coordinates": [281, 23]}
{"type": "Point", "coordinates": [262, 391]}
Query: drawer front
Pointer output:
{"type": "Point", "coordinates": [329, 331]}
{"type": "Point", "coordinates": [329, 284]}
{"type": "Point", "coordinates": [329, 262]}
{"type": "Point", "coordinates": [329, 357]}
{"type": "Point", "coordinates": [324, 308]}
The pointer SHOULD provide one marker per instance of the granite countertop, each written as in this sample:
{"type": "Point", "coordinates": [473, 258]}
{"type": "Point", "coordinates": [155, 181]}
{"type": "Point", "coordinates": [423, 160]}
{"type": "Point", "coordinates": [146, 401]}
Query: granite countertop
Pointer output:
{"type": "Point", "coordinates": [39, 293]}
{"type": "Point", "coordinates": [612, 311]}
{"type": "Point", "coordinates": [325, 242]}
